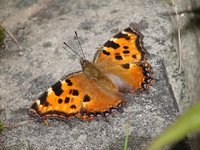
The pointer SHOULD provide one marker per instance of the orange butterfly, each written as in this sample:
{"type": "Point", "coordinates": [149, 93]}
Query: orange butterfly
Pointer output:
{"type": "Point", "coordinates": [119, 66]}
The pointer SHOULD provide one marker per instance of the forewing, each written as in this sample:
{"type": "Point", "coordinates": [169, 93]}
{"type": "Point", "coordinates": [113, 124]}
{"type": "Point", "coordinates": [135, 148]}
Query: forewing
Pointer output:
{"type": "Point", "coordinates": [77, 95]}
{"type": "Point", "coordinates": [123, 59]}
{"type": "Point", "coordinates": [124, 47]}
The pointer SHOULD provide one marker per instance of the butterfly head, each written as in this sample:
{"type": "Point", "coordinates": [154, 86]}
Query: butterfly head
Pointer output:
{"type": "Point", "coordinates": [90, 68]}
{"type": "Point", "coordinates": [84, 63]}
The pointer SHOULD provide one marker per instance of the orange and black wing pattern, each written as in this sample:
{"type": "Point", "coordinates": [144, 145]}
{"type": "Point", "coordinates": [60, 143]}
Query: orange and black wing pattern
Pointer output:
{"type": "Point", "coordinates": [76, 96]}
{"type": "Point", "coordinates": [125, 57]}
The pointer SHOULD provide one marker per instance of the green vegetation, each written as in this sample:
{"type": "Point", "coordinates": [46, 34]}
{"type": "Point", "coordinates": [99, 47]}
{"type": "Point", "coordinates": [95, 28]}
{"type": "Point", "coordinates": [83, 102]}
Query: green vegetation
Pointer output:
{"type": "Point", "coordinates": [2, 35]}
{"type": "Point", "coordinates": [188, 123]}
{"type": "Point", "coordinates": [126, 140]}
{"type": "Point", "coordinates": [1, 126]}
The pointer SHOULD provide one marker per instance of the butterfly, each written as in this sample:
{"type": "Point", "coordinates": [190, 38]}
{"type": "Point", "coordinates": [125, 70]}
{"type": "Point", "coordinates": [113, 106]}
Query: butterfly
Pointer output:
{"type": "Point", "coordinates": [119, 66]}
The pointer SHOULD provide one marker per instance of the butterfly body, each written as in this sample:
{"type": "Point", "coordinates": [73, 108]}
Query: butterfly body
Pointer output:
{"type": "Point", "coordinates": [94, 72]}
{"type": "Point", "coordinates": [119, 66]}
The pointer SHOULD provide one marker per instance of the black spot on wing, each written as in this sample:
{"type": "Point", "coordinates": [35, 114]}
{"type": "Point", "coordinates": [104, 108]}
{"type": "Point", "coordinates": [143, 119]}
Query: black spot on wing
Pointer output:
{"type": "Point", "coordinates": [34, 106]}
{"type": "Point", "coordinates": [73, 106]}
{"type": "Point", "coordinates": [125, 47]}
{"type": "Point", "coordinates": [67, 100]}
{"type": "Point", "coordinates": [111, 44]}
{"type": "Point", "coordinates": [86, 98]}
{"type": "Point", "coordinates": [121, 35]}
{"type": "Point", "coordinates": [75, 92]}
{"type": "Point", "coordinates": [126, 51]}
{"type": "Point", "coordinates": [57, 88]}
{"type": "Point", "coordinates": [134, 56]}
{"type": "Point", "coordinates": [105, 52]}
{"type": "Point", "coordinates": [60, 100]}
{"type": "Point", "coordinates": [69, 82]}
{"type": "Point", "coordinates": [125, 66]}
{"type": "Point", "coordinates": [118, 57]}
{"type": "Point", "coordinates": [129, 30]}
{"type": "Point", "coordinates": [70, 92]}
{"type": "Point", "coordinates": [43, 98]}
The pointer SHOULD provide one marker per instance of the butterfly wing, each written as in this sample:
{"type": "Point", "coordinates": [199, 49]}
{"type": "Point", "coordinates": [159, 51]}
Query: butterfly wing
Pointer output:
{"type": "Point", "coordinates": [77, 95]}
{"type": "Point", "coordinates": [123, 59]}
{"type": "Point", "coordinates": [124, 47]}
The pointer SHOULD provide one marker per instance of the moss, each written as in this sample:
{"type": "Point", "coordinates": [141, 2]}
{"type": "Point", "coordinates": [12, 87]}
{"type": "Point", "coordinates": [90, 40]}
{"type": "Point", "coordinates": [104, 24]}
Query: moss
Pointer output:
{"type": "Point", "coordinates": [2, 35]}
{"type": "Point", "coordinates": [1, 126]}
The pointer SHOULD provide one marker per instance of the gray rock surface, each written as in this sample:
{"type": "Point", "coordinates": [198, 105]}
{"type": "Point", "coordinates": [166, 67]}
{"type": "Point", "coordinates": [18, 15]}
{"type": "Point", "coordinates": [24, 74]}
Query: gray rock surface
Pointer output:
{"type": "Point", "coordinates": [145, 116]}
{"type": "Point", "coordinates": [41, 27]}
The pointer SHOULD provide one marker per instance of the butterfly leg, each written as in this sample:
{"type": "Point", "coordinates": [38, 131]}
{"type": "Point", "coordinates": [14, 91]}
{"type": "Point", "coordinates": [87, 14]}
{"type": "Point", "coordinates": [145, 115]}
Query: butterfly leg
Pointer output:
{"type": "Point", "coordinates": [46, 122]}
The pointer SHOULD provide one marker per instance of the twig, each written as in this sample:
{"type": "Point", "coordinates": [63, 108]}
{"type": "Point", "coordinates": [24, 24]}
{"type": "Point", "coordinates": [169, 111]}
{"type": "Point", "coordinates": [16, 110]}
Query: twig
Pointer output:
{"type": "Point", "coordinates": [179, 36]}
{"type": "Point", "coordinates": [12, 37]}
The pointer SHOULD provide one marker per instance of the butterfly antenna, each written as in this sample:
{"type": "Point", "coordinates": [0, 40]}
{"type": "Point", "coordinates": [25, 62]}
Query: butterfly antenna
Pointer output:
{"type": "Point", "coordinates": [72, 50]}
{"type": "Point", "coordinates": [80, 44]}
